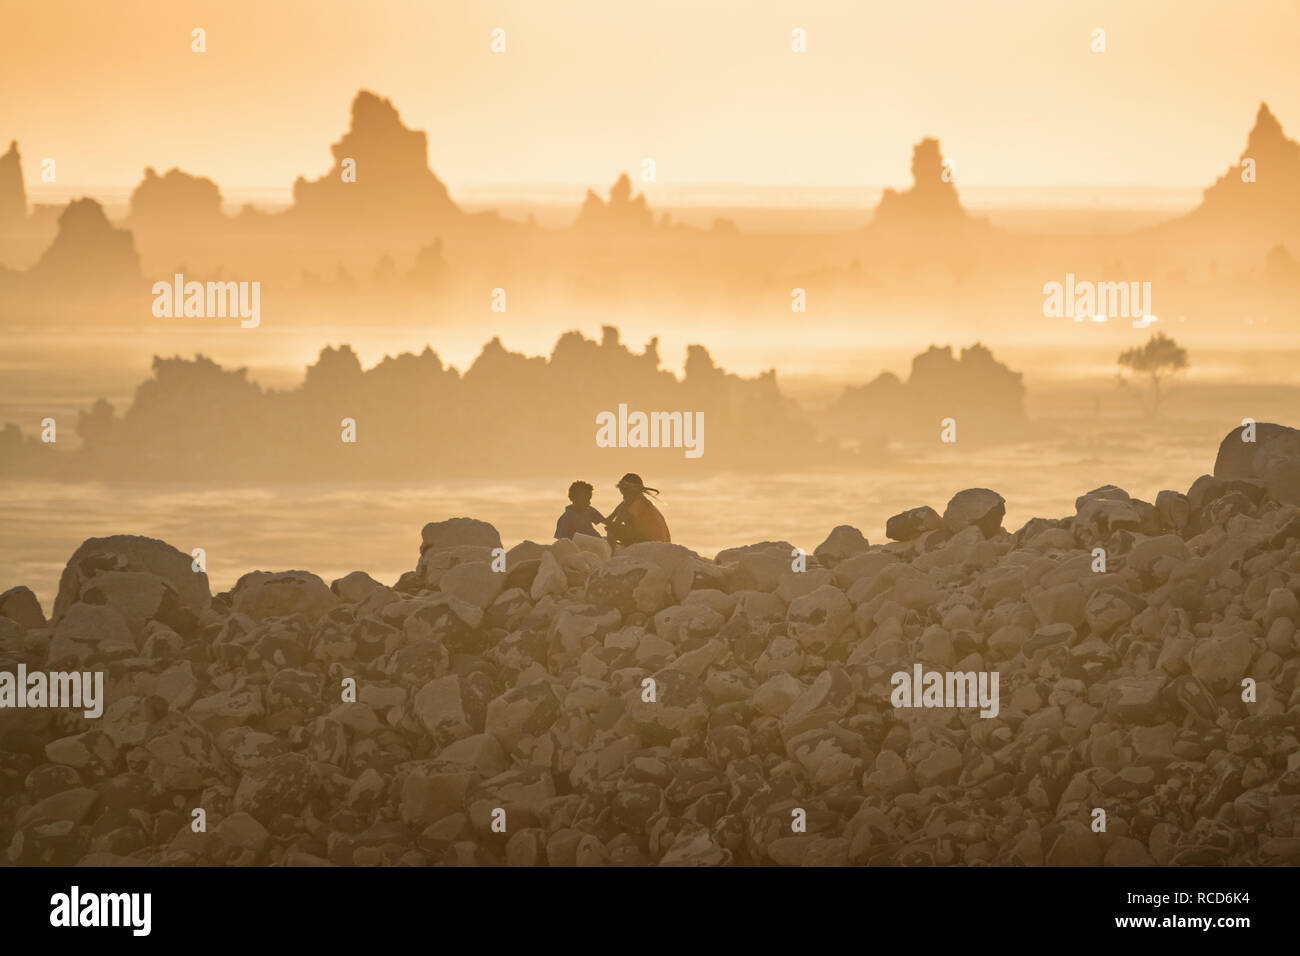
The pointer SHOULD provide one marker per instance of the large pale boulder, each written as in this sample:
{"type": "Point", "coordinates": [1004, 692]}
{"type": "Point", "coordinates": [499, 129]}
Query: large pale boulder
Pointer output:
{"type": "Point", "coordinates": [522, 712]}
{"type": "Point", "coordinates": [139, 596]}
{"type": "Point", "coordinates": [632, 581]}
{"type": "Point", "coordinates": [680, 707]}
{"type": "Point", "coordinates": [820, 618]}
{"type": "Point", "coordinates": [827, 699]}
{"type": "Point", "coordinates": [90, 632]}
{"type": "Point", "coordinates": [844, 541]}
{"type": "Point", "coordinates": [1104, 516]}
{"type": "Point", "coordinates": [355, 587]}
{"type": "Point", "coordinates": [20, 605]}
{"type": "Point", "coordinates": [435, 562]}
{"type": "Point", "coordinates": [549, 578]}
{"type": "Point", "coordinates": [1220, 662]}
{"type": "Point", "coordinates": [130, 552]}
{"type": "Point", "coordinates": [912, 523]}
{"type": "Point", "coordinates": [1282, 480]}
{"type": "Point", "coordinates": [980, 507]}
{"type": "Point", "coordinates": [454, 532]}
{"type": "Point", "coordinates": [442, 708]}
{"type": "Point", "coordinates": [590, 544]}
{"type": "Point", "coordinates": [728, 555]}
{"type": "Point", "coordinates": [1240, 458]}
{"type": "Point", "coordinates": [263, 594]}
{"type": "Point", "coordinates": [684, 622]}
{"type": "Point", "coordinates": [697, 574]}
{"type": "Point", "coordinates": [1173, 510]}
{"type": "Point", "coordinates": [758, 566]}
{"type": "Point", "coordinates": [474, 582]}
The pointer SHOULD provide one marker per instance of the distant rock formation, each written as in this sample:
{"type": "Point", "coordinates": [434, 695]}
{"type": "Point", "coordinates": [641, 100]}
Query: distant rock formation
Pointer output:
{"type": "Point", "coordinates": [175, 202]}
{"type": "Point", "coordinates": [931, 203]}
{"type": "Point", "coordinates": [623, 212]}
{"type": "Point", "coordinates": [1280, 267]}
{"type": "Point", "coordinates": [13, 197]}
{"type": "Point", "coordinates": [508, 414]}
{"type": "Point", "coordinates": [429, 265]}
{"type": "Point", "coordinates": [394, 188]}
{"type": "Point", "coordinates": [1260, 194]}
{"type": "Point", "coordinates": [985, 397]}
{"type": "Point", "coordinates": [88, 255]}
{"type": "Point", "coordinates": [335, 369]}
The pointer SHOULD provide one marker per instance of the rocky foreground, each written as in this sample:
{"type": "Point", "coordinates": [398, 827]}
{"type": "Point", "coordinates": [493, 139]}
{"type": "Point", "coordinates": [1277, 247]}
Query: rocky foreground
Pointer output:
{"type": "Point", "coordinates": [1160, 687]}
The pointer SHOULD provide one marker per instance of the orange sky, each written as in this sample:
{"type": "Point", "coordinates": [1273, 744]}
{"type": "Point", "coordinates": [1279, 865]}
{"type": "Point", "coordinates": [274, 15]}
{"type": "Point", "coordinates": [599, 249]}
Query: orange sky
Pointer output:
{"type": "Point", "coordinates": [709, 88]}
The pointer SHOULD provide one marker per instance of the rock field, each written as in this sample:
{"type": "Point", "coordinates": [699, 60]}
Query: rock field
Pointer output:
{"type": "Point", "coordinates": [354, 723]}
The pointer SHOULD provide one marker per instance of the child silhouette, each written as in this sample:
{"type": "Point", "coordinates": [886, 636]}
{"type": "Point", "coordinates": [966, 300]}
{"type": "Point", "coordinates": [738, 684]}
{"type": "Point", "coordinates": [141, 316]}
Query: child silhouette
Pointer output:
{"type": "Point", "coordinates": [579, 516]}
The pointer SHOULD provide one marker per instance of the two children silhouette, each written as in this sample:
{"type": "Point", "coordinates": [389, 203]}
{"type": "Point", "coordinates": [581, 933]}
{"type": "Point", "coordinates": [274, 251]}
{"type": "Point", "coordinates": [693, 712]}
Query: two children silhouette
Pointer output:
{"type": "Point", "coordinates": [635, 519]}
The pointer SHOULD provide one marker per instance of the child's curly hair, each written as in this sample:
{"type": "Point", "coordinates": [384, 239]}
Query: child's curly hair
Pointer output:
{"type": "Point", "coordinates": [580, 489]}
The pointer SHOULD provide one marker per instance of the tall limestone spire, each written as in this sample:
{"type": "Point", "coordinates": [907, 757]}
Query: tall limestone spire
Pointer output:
{"type": "Point", "coordinates": [1259, 195]}
{"type": "Point", "coordinates": [380, 179]}
{"type": "Point", "coordinates": [13, 197]}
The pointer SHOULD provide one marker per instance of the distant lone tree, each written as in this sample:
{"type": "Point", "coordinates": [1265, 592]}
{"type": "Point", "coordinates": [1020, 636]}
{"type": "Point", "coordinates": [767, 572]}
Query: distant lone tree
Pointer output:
{"type": "Point", "coordinates": [1160, 356]}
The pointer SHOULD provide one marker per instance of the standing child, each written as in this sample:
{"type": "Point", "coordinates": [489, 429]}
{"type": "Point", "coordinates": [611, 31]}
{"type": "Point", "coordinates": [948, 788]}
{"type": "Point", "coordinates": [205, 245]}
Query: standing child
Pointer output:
{"type": "Point", "coordinates": [578, 517]}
